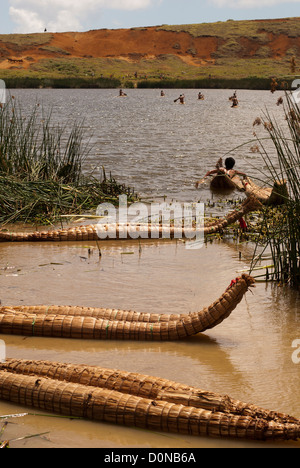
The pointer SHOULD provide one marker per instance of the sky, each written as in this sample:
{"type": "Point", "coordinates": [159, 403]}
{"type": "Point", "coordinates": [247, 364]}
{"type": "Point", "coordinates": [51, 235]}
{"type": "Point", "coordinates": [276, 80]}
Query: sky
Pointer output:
{"type": "Point", "coordinates": [31, 16]}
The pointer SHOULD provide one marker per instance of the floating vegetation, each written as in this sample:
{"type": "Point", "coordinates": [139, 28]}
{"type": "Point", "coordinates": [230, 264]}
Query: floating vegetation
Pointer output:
{"type": "Point", "coordinates": [45, 201]}
{"type": "Point", "coordinates": [41, 169]}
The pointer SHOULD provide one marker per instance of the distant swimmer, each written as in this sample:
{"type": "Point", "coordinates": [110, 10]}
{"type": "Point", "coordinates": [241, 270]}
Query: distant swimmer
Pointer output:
{"type": "Point", "coordinates": [200, 96]}
{"type": "Point", "coordinates": [234, 99]}
{"type": "Point", "coordinates": [162, 93]}
{"type": "Point", "coordinates": [181, 99]}
{"type": "Point", "coordinates": [235, 102]}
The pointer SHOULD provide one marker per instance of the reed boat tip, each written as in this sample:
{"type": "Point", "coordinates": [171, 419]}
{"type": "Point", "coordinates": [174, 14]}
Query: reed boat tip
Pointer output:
{"type": "Point", "coordinates": [249, 280]}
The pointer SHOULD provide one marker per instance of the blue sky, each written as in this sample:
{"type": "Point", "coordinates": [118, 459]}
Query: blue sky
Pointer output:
{"type": "Point", "coordinates": [27, 16]}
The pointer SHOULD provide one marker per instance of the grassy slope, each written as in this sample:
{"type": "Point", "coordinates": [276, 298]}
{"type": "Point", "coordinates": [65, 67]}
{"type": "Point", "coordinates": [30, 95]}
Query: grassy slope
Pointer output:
{"type": "Point", "coordinates": [253, 29]}
{"type": "Point", "coordinates": [245, 49]}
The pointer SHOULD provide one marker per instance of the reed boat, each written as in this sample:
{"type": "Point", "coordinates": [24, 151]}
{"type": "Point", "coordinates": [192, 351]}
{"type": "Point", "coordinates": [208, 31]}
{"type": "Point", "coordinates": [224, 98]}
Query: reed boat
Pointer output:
{"type": "Point", "coordinates": [222, 183]}
{"type": "Point", "coordinates": [277, 195]}
{"type": "Point", "coordinates": [138, 400]}
{"type": "Point", "coordinates": [48, 322]}
{"type": "Point", "coordinates": [96, 232]}
{"type": "Point", "coordinates": [142, 385]}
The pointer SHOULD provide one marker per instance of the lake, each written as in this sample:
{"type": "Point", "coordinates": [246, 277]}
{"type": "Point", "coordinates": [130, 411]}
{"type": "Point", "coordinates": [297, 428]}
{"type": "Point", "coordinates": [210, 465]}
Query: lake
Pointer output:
{"type": "Point", "coordinates": [155, 145]}
{"type": "Point", "coordinates": [160, 148]}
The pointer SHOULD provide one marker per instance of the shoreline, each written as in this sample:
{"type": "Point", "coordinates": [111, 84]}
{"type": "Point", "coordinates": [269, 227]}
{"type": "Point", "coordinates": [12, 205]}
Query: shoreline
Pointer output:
{"type": "Point", "coordinates": [250, 83]}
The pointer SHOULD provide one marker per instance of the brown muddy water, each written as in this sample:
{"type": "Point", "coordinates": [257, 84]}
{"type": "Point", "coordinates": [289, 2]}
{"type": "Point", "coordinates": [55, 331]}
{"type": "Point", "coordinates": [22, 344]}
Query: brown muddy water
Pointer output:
{"type": "Point", "coordinates": [249, 356]}
{"type": "Point", "coordinates": [160, 149]}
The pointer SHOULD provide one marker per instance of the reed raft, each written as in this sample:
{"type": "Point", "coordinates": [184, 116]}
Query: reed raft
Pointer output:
{"type": "Point", "coordinates": [45, 321]}
{"type": "Point", "coordinates": [137, 400]}
{"type": "Point", "coordinates": [128, 231]}
{"type": "Point", "coordinates": [277, 195]}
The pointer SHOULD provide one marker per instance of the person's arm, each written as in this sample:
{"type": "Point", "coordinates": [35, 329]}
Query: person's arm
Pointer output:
{"type": "Point", "coordinates": [215, 171]}
{"type": "Point", "coordinates": [241, 174]}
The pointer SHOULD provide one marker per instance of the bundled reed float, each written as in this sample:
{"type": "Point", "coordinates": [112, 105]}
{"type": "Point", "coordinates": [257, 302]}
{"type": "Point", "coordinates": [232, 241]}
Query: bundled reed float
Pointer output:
{"type": "Point", "coordinates": [222, 182]}
{"type": "Point", "coordinates": [137, 400]}
{"type": "Point", "coordinates": [122, 231]}
{"type": "Point", "coordinates": [80, 323]}
{"type": "Point", "coordinates": [278, 195]}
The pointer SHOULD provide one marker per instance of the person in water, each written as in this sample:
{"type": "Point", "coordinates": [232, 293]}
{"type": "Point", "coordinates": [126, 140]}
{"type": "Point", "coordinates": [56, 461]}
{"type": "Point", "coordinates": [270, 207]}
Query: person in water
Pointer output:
{"type": "Point", "coordinates": [227, 170]}
{"type": "Point", "coordinates": [181, 99]}
{"type": "Point", "coordinates": [235, 102]}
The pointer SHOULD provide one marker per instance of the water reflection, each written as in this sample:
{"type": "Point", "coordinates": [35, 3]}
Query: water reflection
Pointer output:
{"type": "Point", "coordinates": [248, 356]}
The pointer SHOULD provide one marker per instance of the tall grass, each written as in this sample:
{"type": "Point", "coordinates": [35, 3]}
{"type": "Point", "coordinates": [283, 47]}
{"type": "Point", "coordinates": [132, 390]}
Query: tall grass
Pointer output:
{"type": "Point", "coordinates": [41, 168]}
{"type": "Point", "coordinates": [32, 149]}
{"type": "Point", "coordinates": [280, 230]}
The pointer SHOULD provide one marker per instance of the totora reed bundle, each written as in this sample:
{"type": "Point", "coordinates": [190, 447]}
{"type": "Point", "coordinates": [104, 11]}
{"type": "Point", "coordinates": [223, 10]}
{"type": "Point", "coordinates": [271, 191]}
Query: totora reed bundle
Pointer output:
{"type": "Point", "coordinates": [142, 385]}
{"type": "Point", "coordinates": [138, 401]}
{"type": "Point", "coordinates": [121, 231]}
{"type": "Point", "coordinates": [149, 327]}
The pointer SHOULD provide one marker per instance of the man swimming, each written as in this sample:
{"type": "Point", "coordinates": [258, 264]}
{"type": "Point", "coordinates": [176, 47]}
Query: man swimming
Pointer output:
{"type": "Point", "coordinates": [181, 99]}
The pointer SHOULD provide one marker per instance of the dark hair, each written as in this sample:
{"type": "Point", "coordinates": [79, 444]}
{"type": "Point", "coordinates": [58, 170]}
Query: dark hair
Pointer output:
{"type": "Point", "coordinates": [229, 163]}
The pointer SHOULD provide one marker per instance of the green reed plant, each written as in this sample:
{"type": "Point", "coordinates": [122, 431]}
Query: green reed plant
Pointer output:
{"type": "Point", "coordinates": [31, 148]}
{"type": "Point", "coordinates": [41, 169]}
{"type": "Point", "coordinates": [280, 228]}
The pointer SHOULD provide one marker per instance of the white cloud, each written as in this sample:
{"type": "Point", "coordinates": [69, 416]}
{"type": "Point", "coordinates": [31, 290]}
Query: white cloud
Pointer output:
{"type": "Point", "coordinates": [64, 15]}
{"type": "Point", "coordinates": [251, 3]}
{"type": "Point", "coordinates": [28, 18]}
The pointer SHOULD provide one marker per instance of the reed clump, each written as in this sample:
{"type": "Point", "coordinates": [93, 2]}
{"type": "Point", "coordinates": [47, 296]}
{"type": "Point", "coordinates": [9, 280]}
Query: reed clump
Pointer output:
{"type": "Point", "coordinates": [42, 169]}
{"type": "Point", "coordinates": [280, 229]}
